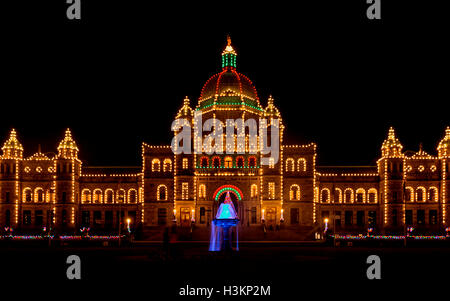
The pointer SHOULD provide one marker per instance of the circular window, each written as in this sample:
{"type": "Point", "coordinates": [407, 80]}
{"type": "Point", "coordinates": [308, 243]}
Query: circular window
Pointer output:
{"type": "Point", "coordinates": [27, 169]}
{"type": "Point", "coordinates": [421, 168]}
{"type": "Point", "coordinates": [39, 169]}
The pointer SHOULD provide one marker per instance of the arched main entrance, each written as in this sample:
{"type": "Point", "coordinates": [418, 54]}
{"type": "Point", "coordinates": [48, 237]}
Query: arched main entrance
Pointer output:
{"type": "Point", "coordinates": [235, 193]}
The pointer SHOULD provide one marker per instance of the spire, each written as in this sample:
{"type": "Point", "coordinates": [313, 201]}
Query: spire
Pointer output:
{"type": "Point", "coordinates": [229, 56]}
{"type": "Point", "coordinates": [444, 145]}
{"type": "Point", "coordinates": [12, 149]}
{"type": "Point", "coordinates": [67, 147]}
{"type": "Point", "coordinates": [391, 146]}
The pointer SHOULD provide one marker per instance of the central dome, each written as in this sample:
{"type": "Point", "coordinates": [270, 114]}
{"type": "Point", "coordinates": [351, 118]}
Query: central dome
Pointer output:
{"type": "Point", "coordinates": [229, 88]}
{"type": "Point", "coordinates": [229, 83]}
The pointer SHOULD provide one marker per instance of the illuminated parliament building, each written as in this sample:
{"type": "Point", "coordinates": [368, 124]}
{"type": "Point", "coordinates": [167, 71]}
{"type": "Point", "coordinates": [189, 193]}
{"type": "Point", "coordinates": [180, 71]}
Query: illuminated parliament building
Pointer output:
{"type": "Point", "coordinates": [291, 197]}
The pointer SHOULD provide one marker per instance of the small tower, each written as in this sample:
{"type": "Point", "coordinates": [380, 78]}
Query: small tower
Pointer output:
{"type": "Point", "coordinates": [184, 122]}
{"type": "Point", "coordinates": [444, 145]}
{"type": "Point", "coordinates": [67, 148]}
{"type": "Point", "coordinates": [12, 149]}
{"type": "Point", "coordinates": [185, 111]}
{"type": "Point", "coordinates": [391, 146]}
{"type": "Point", "coordinates": [391, 168]}
{"type": "Point", "coordinates": [10, 166]}
{"type": "Point", "coordinates": [444, 156]}
{"type": "Point", "coordinates": [68, 170]}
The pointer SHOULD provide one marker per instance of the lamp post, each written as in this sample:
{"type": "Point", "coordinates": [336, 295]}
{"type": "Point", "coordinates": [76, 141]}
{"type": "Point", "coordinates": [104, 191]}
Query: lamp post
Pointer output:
{"type": "Point", "coordinates": [128, 225]}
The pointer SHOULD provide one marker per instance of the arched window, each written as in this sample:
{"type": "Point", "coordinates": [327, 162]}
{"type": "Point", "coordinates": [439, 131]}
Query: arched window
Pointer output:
{"type": "Point", "coordinates": [325, 195]}
{"type": "Point", "coordinates": [348, 195]}
{"type": "Point", "coordinates": [409, 197]}
{"type": "Point", "coordinates": [27, 195]}
{"type": "Point", "coordinates": [204, 162]}
{"type": "Point", "coordinates": [86, 196]}
{"type": "Point", "coordinates": [98, 196]}
{"type": "Point", "coordinates": [202, 191]}
{"type": "Point", "coordinates": [372, 195]}
{"type": "Point", "coordinates": [420, 194]}
{"type": "Point", "coordinates": [156, 165]}
{"type": "Point", "coordinates": [109, 197]}
{"type": "Point", "coordinates": [360, 195]}
{"type": "Point", "coordinates": [132, 196]}
{"type": "Point", "coordinates": [39, 195]}
{"type": "Point", "coordinates": [120, 197]}
{"type": "Point", "coordinates": [161, 193]}
{"type": "Point", "coordinates": [240, 162]}
{"type": "Point", "coordinates": [254, 191]}
{"type": "Point", "coordinates": [294, 192]}
{"type": "Point", "coordinates": [216, 162]}
{"type": "Point", "coordinates": [252, 162]}
{"type": "Point", "coordinates": [301, 164]}
{"type": "Point", "coordinates": [290, 164]}
{"type": "Point", "coordinates": [167, 165]}
{"type": "Point", "coordinates": [185, 163]}
{"type": "Point", "coordinates": [433, 195]}
{"type": "Point", "coordinates": [271, 190]}
{"type": "Point", "coordinates": [338, 195]}
{"type": "Point", "coordinates": [228, 162]}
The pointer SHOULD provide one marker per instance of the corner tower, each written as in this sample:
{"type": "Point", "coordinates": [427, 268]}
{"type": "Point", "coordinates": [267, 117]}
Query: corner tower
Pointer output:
{"type": "Point", "coordinates": [66, 183]}
{"type": "Point", "coordinates": [391, 170]}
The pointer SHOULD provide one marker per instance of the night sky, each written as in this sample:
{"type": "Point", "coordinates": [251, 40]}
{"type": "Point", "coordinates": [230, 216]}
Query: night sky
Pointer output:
{"type": "Point", "coordinates": [118, 76]}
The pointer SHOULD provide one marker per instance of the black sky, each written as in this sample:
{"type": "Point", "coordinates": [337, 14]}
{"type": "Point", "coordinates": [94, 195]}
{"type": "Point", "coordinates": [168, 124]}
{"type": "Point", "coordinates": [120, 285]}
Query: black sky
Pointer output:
{"type": "Point", "coordinates": [118, 77]}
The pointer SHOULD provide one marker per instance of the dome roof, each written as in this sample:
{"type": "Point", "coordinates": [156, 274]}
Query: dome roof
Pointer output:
{"type": "Point", "coordinates": [229, 87]}
{"type": "Point", "coordinates": [229, 83]}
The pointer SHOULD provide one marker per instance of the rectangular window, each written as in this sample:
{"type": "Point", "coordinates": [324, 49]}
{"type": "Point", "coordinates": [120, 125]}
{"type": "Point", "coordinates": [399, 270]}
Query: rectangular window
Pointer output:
{"type": "Point", "coordinates": [348, 218]}
{"type": "Point", "coordinates": [409, 217]}
{"type": "Point", "coordinates": [202, 215]}
{"type": "Point", "coordinates": [372, 218]}
{"type": "Point", "coordinates": [184, 190]}
{"type": "Point", "coordinates": [64, 217]}
{"type": "Point", "coordinates": [185, 163]}
{"type": "Point", "coordinates": [337, 218]}
{"type": "Point", "coordinates": [39, 218]}
{"type": "Point", "coordinates": [108, 219]}
{"type": "Point", "coordinates": [294, 216]}
{"type": "Point", "coordinates": [421, 217]}
{"type": "Point", "coordinates": [85, 219]}
{"type": "Point", "coordinates": [271, 190]}
{"type": "Point", "coordinates": [7, 197]}
{"type": "Point", "coordinates": [360, 218]}
{"type": "Point", "coordinates": [162, 216]}
{"type": "Point", "coordinates": [394, 196]}
{"type": "Point", "coordinates": [27, 217]}
{"type": "Point", "coordinates": [271, 162]}
{"type": "Point", "coordinates": [64, 197]}
{"type": "Point", "coordinates": [394, 217]}
{"type": "Point", "coordinates": [97, 217]}
{"type": "Point", "coordinates": [433, 217]}
{"type": "Point", "coordinates": [253, 215]}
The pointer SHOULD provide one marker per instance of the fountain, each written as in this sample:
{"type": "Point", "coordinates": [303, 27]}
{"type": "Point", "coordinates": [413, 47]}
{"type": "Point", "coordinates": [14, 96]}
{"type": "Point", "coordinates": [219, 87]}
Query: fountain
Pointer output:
{"type": "Point", "coordinates": [226, 218]}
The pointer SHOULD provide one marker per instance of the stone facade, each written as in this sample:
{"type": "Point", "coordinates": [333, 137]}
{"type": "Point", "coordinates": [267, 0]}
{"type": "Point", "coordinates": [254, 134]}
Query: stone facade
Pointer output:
{"type": "Point", "coordinates": [290, 194]}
